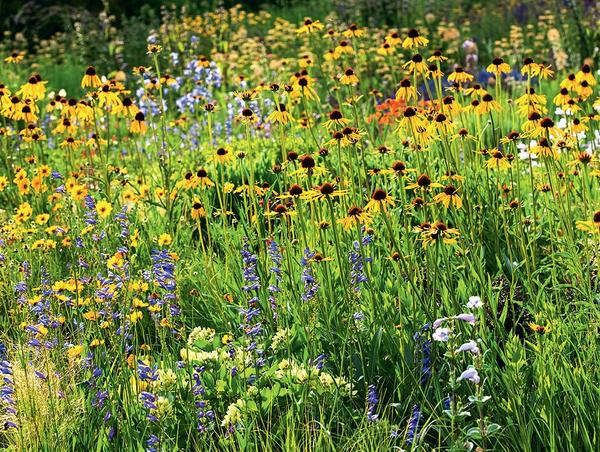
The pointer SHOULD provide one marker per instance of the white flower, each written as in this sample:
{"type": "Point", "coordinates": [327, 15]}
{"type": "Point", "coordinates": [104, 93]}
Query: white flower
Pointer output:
{"type": "Point", "coordinates": [441, 334]}
{"type": "Point", "coordinates": [471, 375]}
{"type": "Point", "coordinates": [470, 346]}
{"type": "Point", "coordinates": [474, 302]}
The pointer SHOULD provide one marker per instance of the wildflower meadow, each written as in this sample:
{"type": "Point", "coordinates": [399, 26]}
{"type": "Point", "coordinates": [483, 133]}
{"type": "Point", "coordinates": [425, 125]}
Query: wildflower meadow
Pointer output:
{"type": "Point", "coordinates": [318, 226]}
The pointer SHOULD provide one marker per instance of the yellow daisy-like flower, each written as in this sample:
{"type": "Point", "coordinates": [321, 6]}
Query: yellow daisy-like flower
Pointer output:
{"type": "Point", "coordinates": [414, 39]}
{"type": "Point", "coordinates": [310, 26]}
{"type": "Point", "coordinates": [103, 208]}
{"type": "Point", "coordinates": [380, 201]}
{"type": "Point", "coordinates": [164, 240]}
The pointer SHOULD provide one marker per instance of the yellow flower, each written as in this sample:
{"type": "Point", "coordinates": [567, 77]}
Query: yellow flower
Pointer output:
{"type": "Point", "coordinates": [356, 217]}
{"type": "Point", "coordinates": [90, 78]}
{"type": "Point", "coordinates": [449, 197]}
{"type": "Point", "coordinates": [103, 208]}
{"type": "Point", "coordinates": [380, 201]}
{"type": "Point", "coordinates": [310, 26]}
{"type": "Point", "coordinates": [164, 240]}
{"type": "Point", "coordinates": [75, 351]}
{"type": "Point", "coordinates": [498, 67]}
{"type": "Point", "coordinates": [592, 226]}
{"type": "Point", "coordinates": [42, 218]}
{"type": "Point", "coordinates": [138, 125]}
{"type": "Point", "coordinates": [414, 40]}
{"type": "Point", "coordinates": [497, 161]}
{"type": "Point", "coordinates": [348, 77]}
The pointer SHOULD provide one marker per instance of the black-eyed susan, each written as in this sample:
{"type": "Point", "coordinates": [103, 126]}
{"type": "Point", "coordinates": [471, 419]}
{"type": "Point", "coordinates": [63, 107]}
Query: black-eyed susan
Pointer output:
{"type": "Point", "coordinates": [497, 160]}
{"type": "Point", "coordinates": [416, 65]}
{"type": "Point", "coordinates": [343, 48]}
{"type": "Point", "coordinates": [222, 155]}
{"type": "Point", "coordinates": [591, 226]}
{"type": "Point", "coordinates": [356, 217]}
{"type": "Point", "coordinates": [325, 191]}
{"type": "Point", "coordinates": [349, 77]}
{"type": "Point", "coordinates": [138, 124]}
{"type": "Point", "coordinates": [198, 210]}
{"type": "Point", "coordinates": [406, 91]}
{"type": "Point", "coordinates": [423, 183]}
{"type": "Point", "coordinates": [310, 26]}
{"type": "Point", "coordinates": [34, 89]}
{"type": "Point", "coordinates": [460, 76]}
{"type": "Point", "coordinates": [336, 118]}
{"type": "Point", "coordinates": [449, 197]}
{"type": "Point", "coordinates": [437, 57]}
{"type": "Point", "coordinates": [545, 149]}
{"type": "Point", "coordinates": [90, 78]}
{"type": "Point", "coordinates": [15, 57]}
{"type": "Point", "coordinates": [414, 39]}
{"type": "Point", "coordinates": [380, 201]}
{"type": "Point", "coordinates": [280, 115]}
{"type": "Point", "coordinates": [439, 233]}
{"type": "Point", "coordinates": [498, 67]}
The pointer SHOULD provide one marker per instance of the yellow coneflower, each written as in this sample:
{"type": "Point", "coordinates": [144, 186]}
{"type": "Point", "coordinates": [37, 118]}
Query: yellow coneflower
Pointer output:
{"type": "Point", "coordinates": [108, 97]}
{"type": "Point", "coordinates": [423, 182]}
{"type": "Point", "coordinates": [460, 76]}
{"type": "Point", "coordinates": [247, 116]}
{"type": "Point", "coordinates": [475, 91]}
{"type": "Point", "coordinates": [585, 73]}
{"type": "Point", "coordinates": [416, 65]}
{"type": "Point", "coordinates": [34, 89]}
{"type": "Point", "coordinates": [497, 161]}
{"type": "Point", "coordinates": [449, 197]}
{"type": "Point", "coordinates": [15, 57]}
{"type": "Point", "coordinates": [439, 232]}
{"type": "Point", "coordinates": [310, 26]}
{"type": "Point", "coordinates": [198, 210]}
{"type": "Point", "coordinates": [545, 149]}
{"type": "Point", "coordinates": [280, 115]}
{"type": "Point", "coordinates": [386, 49]}
{"type": "Point", "coordinates": [354, 31]}
{"type": "Point", "coordinates": [138, 125]}
{"type": "Point", "coordinates": [380, 201]}
{"type": "Point", "coordinates": [336, 118]}
{"type": "Point", "coordinates": [437, 57]}
{"type": "Point", "coordinates": [414, 39]}
{"type": "Point", "coordinates": [356, 217]}
{"type": "Point", "coordinates": [91, 79]}
{"type": "Point", "coordinates": [592, 226]}
{"type": "Point", "coordinates": [498, 67]}
{"type": "Point", "coordinates": [324, 191]}
{"type": "Point", "coordinates": [406, 91]}
{"type": "Point", "coordinates": [348, 77]}
{"type": "Point", "coordinates": [222, 155]}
